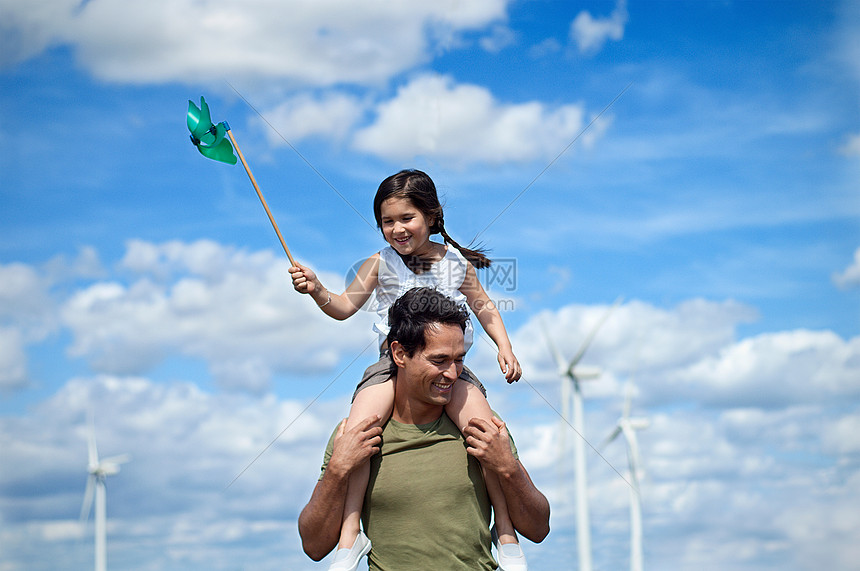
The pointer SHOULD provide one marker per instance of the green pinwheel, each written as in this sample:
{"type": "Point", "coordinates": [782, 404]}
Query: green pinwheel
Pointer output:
{"type": "Point", "coordinates": [209, 139]}
{"type": "Point", "coordinates": [214, 142]}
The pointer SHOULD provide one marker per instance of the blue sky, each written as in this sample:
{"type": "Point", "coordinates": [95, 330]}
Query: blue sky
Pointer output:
{"type": "Point", "coordinates": [700, 159]}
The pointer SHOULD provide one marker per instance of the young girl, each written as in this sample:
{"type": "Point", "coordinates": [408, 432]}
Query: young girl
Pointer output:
{"type": "Point", "coordinates": [408, 212]}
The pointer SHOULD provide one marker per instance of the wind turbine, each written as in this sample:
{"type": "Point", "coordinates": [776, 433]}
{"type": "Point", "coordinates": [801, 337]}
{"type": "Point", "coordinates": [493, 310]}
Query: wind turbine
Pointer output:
{"type": "Point", "coordinates": [571, 375]}
{"type": "Point", "coordinates": [98, 471]}
{"type": "Point", "coordinates": [628, 426]}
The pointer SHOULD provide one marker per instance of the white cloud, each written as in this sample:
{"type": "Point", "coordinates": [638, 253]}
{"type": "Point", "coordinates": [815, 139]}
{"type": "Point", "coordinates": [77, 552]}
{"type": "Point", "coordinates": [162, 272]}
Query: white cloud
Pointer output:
{"type": "Point", "coordinates": [27, 28]}
{"type": "Point", "coordinates": [759, 430]}
{"type": "Point", "coordinates": [27, 316]}
{"type": "Point", "coordinates": [591, 33]}
{"type": "Point", "coordinates": [202, 257]}
{"type": "Point", "coordinates": [235, 311]}
{"type": "Point", "coordinates": [545, 48]}
{"type": "Point", "coordinates": [690, 352]}
{"type": "Point", "coordinates": [842, 435]}
{"type": "Point", "coordinates": [773, 464]}
{"type": "Point", "coordinates": [739, 487]}
{"type": "Point", "coordinates": [822, 525]}
{"type": "Point", "coordinates": [199, 443]}
{"type": "Point", "coordinates": [332, 115]}
{"type": "Point", "coordinates": [85, 265]}
{"type": "Point", "coordinates": [850, 276]}
{"type": "Point", "coordinates": [317, 43]}
{"type": "Point", "coordinates": [13, 360]}
{"type": "Point", "coordinates": [783, 367]}
{"type": "Point", "coordinates": [433, 116]}
{"type": "Point", "coordinates": [25, 299]}
{"type": "Point", "coordinates": [499, 38]}
{"type": "Point", "coordinates": [847, 41]}
{"type": "Point", "coordinates": [851, 148]}
{"type": "Point", "coordinates": [636, 336]}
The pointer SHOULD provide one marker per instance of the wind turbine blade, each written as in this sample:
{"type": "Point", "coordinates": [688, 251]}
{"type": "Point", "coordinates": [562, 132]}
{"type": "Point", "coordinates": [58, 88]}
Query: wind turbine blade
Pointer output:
{"type": "Point", "coordinates": [585, 373]}
{"type": "Point", "coordinates": [91, 441]}
{"type": "Point", "coordinates": [118, 459]}
{"type": "Point", "coordinates": [635, 459]}
{"type": "Point", "coordinates": [592, 334]}
{"type": "Point", "coordinates": [629, 387]}
{"type": "Point", "coordinates": [559, 361]}
{"type": "Point", "coordinates": [628, 397]}
{"type": "Point", "coordinates": [612, 436]}
{"type": "Point", "coordinates": [564, 421]}
{"type": "Point", "coordinates": [565, 402]}
{"type": "Point", "coordinates": [639, 423]}
{"type": "Point", "coordinates": [88, 500]}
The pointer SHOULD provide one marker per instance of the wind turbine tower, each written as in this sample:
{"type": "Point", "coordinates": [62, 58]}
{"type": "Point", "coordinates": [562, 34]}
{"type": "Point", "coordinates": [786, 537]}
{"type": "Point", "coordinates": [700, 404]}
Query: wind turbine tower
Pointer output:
{"type": "Point", "coordinates": [628, 426]}
{"type": "Point", "coordinates": [571, 375]}
{"type": "Point", "coordinates": [98, 471]}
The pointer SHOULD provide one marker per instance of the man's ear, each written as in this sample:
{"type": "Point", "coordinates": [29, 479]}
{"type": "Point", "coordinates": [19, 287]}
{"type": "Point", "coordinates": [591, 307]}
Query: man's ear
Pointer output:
{"type": "Point", "coordinates": [398, 354]}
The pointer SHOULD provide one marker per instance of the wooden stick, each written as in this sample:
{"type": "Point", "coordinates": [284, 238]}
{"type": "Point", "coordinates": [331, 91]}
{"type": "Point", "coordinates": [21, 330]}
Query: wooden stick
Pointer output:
{"type": "Point", "coordinates": [260, 194]}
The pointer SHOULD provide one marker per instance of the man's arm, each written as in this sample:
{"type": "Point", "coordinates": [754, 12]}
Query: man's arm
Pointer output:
{"type": "Point", "coordinates": [321, 519]}
{"type": "Point", "coordinates": [528, 508]}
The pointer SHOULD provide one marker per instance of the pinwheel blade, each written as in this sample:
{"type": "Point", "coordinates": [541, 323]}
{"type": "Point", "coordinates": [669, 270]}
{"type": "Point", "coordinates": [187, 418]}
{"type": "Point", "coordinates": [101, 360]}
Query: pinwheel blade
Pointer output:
{"type": "Point", "coordinates": [199, 119]}
{"type": "Point", "coordinates": [222, 152]}
{"type": "Point", "coordinates": [209, 139]}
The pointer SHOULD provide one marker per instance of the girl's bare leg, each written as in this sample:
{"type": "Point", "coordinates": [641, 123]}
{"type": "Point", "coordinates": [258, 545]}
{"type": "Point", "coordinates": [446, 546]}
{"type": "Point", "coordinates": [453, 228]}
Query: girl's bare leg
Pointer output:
{"type": "Point", "coordinates": [372, 400]}
{"type": "Point", "coordinates": [467, 403]}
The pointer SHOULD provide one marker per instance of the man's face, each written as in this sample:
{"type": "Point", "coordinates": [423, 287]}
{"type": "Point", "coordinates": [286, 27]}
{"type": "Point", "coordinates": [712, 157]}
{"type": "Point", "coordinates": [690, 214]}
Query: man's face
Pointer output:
{"type": "Point", "coordinates": [430, 373]}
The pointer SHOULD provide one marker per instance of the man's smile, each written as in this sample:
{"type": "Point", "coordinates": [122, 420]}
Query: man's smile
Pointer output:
{"type": "Point", "coordinates": [443, 386]}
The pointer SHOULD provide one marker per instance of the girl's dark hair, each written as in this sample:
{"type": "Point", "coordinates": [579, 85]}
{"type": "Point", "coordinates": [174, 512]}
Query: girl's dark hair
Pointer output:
{"type": "Point", "coordinates": [415, 311]}
{"type": "Point", "coordinates": [418, 188]}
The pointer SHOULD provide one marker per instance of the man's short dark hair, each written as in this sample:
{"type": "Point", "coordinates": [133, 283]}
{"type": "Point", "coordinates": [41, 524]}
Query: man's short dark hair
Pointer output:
{"type": "Point", "coordinates": [418, 308]}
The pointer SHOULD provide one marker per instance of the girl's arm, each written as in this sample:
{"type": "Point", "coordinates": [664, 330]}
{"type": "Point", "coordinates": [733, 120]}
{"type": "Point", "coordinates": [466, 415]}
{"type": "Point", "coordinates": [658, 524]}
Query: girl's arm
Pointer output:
{"type": "Point", "coordinates": [338, 306]}
{"type": "Point", "coordinates": [488, 315]}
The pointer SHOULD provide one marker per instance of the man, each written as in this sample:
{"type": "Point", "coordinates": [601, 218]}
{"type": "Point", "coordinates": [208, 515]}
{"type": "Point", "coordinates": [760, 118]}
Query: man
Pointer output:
{"type": "Point", "coordinates": [426, 506]}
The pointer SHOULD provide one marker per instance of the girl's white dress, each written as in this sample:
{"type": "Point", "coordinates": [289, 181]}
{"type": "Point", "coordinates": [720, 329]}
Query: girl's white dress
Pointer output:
{"type": "Point", "coordinates": [395, 279]}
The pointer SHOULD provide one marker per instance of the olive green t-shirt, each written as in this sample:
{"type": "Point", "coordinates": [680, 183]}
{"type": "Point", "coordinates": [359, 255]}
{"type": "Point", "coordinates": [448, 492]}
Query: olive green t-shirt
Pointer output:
{"type": "Point", "coordinates": [426, 506]}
